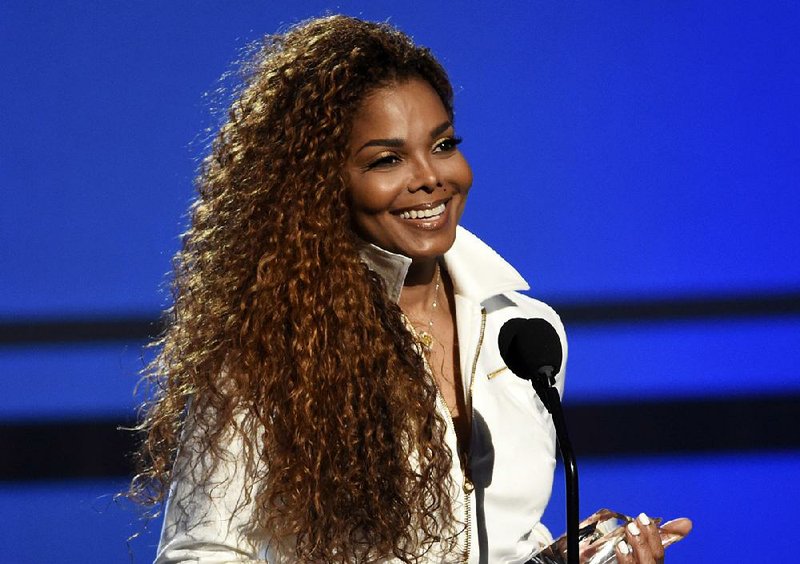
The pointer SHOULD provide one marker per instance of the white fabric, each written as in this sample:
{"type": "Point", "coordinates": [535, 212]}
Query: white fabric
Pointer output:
{"type": "Point", "coordinates": [513, 442]}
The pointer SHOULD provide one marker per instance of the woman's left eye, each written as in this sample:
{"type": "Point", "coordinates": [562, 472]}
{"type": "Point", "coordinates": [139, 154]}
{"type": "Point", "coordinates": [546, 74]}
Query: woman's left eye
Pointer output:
{"type": "Point", "coordinates": [446, 145]}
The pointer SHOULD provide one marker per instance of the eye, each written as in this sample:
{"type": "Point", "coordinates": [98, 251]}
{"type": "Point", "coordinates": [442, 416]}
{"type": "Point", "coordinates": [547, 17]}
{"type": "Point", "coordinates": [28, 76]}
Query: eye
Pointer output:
{"type": "Point", "coordinates": [447, 145]}
{"type": "Point", "coordinates": [382, 161]}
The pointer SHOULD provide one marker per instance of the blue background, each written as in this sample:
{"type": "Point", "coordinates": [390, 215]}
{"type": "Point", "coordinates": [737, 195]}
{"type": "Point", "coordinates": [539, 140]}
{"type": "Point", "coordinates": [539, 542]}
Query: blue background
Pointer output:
{"type": "Point", "coordinates": [621, 151]}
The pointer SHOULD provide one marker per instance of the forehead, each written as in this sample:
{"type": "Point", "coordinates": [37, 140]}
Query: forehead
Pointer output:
{"type": "Point", "coordinates": [398, 108]}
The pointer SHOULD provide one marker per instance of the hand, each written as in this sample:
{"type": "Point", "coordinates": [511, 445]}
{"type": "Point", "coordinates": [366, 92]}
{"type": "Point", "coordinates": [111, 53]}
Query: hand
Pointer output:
{"type": "Point", "coordinates": [644, 540]}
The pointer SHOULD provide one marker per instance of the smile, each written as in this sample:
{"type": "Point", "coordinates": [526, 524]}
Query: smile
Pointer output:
{"type": "Point", "coordinates": [424, 213]}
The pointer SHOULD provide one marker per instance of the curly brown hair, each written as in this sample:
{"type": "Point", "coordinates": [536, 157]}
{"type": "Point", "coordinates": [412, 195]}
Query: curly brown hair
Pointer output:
{"type": "Point", "coordinates": [280, 333]}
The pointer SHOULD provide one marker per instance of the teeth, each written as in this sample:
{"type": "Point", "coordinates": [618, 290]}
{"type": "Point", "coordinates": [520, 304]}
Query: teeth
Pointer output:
{"type": "Point", "coordinates": [423, 214]}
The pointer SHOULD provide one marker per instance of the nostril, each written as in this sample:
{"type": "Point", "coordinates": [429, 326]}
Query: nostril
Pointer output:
{"type": "Point", "coordinates": [429, 188]}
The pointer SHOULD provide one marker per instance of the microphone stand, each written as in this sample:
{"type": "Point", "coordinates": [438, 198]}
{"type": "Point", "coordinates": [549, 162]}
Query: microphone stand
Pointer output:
{"type": "Point", "coordinates": [552, 401]}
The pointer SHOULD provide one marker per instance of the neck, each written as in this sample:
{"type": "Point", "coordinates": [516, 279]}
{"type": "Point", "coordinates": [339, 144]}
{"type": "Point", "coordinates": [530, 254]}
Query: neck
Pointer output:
{"type": "Point", "coordinates": [417, 291]}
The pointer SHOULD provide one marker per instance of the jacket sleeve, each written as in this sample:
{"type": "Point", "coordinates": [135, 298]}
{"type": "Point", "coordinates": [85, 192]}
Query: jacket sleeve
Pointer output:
{"type": "Point", "coordinates": [207, 513]}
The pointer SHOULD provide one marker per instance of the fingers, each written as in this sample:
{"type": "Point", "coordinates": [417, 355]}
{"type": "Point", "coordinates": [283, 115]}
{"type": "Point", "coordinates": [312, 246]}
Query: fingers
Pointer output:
{"type": "Point", "coordinates": [624, 552]}
{"type": "Point", "coordinates": [650, 535]}
{"type": "Point", "coordinates": [681, 527]}
{"type": "Point", "coordinates": [642, 543]}
{"type": "Point", "coordinates": [674, 531]}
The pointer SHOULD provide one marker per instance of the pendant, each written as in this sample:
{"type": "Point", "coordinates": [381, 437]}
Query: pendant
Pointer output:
{"type": "Point", "coordinates": [426, 340]}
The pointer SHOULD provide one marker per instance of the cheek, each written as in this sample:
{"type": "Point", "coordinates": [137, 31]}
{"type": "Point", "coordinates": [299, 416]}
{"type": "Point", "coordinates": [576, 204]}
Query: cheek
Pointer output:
{"type": "Point", "coordinates": [374, 196]}
{"type": "Point", "coordinates": [461, 174]}
{"type": "Point", "coordinates": [467, 177]}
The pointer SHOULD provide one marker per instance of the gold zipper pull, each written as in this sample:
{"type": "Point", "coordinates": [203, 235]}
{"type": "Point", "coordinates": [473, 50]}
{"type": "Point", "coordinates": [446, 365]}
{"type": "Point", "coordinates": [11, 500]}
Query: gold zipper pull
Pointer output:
{"type": "Point", "coordinates": [468, 486]}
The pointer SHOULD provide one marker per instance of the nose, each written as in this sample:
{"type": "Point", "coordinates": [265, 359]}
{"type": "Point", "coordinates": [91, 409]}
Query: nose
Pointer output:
{"type": "Point", "coordinates": [426, 176]}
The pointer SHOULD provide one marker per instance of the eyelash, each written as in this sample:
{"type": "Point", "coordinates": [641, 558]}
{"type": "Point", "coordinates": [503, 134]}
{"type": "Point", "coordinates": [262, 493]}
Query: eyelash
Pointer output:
{"type": "Point", "coordinates": [445, 145]}
{"type": "Point", "coordinates": [381, 161]}
{"type": "Point", "coordinates": [453, 142]}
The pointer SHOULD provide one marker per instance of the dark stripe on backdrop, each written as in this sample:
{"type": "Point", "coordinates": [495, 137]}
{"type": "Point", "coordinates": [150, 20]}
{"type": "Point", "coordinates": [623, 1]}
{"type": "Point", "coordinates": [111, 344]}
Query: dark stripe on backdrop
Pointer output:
{"type": "Point", "coordinates": [143, 328]}
{"type": "Point", "coordinates": [93, 449]}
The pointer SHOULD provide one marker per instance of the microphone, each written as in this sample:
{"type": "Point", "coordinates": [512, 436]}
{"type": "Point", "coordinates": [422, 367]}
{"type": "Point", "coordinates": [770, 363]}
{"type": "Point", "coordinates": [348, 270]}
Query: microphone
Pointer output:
{"type": "Point", "coordinates": [531, 348]}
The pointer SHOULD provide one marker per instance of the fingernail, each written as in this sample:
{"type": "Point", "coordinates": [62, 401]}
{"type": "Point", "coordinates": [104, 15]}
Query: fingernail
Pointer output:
{"type": "Point", "coordinates": [634, 530]}
{"type": "Point", "coordinates": [623, 547]}
{"type": "Point", "coordinates": [644, 519]}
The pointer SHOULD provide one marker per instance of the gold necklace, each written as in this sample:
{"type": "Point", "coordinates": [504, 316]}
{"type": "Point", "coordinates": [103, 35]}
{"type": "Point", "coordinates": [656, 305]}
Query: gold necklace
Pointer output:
{"type": "Point", "coordinates": [426, 337]}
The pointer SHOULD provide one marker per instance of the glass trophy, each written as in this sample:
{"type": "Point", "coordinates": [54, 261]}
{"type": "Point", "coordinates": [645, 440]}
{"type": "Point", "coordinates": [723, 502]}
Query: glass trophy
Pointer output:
{"type": "Point", "coordinates": [597, 539]}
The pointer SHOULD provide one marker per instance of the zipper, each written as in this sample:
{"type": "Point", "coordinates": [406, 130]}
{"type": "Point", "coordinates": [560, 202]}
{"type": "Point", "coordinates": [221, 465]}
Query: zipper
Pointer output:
{"type": "Point", "coordinates": [468, 487]}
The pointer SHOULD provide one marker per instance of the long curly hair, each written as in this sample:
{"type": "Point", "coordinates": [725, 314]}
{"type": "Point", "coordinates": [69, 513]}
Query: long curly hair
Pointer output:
{"type": "Point", "coordinates": [279, 333]}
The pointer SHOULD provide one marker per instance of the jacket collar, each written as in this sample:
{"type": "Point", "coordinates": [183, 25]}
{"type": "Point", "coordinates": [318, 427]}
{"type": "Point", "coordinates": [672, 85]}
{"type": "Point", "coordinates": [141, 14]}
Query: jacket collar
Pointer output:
{"type": "Point", "coordinates": [477, 271]}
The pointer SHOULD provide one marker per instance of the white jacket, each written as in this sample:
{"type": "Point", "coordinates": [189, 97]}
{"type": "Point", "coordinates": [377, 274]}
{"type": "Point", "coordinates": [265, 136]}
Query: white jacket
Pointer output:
{"type": "Point", "coordinates": [512, 453]}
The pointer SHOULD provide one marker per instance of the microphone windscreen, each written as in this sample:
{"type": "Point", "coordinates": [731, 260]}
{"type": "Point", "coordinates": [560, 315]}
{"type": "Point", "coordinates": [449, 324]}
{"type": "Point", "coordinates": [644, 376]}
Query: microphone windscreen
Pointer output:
{"type": "Point", "coordinates": [527, 345]}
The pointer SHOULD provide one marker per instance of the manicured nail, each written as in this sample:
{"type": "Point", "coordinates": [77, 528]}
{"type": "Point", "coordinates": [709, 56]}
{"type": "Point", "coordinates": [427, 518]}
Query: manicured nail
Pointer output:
{"type": "Point", "coordinates": [644, 519]}
{"type": "Point", "coordinates": [623, 547]}
{"type": "Point", "coordinates": [634, 530]}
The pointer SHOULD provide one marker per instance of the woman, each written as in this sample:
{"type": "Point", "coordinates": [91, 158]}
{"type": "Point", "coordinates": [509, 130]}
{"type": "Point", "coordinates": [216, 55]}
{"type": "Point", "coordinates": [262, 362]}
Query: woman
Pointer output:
{"type": "Point", "coordinates": [329, 383]}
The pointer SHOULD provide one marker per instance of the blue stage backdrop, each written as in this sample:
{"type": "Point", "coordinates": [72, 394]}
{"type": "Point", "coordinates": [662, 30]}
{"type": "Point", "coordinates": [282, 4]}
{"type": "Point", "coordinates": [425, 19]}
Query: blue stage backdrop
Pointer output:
{"type": "Point", "coordinates": [638, 162]}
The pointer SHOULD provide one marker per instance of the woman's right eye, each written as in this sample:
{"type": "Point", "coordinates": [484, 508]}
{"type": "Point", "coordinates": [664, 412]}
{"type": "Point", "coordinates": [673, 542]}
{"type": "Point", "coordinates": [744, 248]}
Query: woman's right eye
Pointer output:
{"type": "Point", "coordinates": [383, 161]}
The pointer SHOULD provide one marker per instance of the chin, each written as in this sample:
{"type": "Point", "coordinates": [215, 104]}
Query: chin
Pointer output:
{"type": "Point", "coordinates": [431, 249]}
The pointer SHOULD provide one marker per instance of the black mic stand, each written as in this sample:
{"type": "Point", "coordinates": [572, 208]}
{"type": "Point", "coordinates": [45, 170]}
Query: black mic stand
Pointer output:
{"type": "Point", "coordinates": [552, 402]}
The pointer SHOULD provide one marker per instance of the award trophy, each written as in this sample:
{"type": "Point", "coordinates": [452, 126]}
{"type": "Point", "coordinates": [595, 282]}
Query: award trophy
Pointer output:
{"type": "Point", "coordinates": [597, 538]}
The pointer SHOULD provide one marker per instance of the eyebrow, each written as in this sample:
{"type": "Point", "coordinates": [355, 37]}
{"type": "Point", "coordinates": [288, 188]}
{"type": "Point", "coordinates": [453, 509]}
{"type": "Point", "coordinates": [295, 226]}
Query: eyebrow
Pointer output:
{"type": "Point", "coordinates": [441, 128]}
{"type": "Point", "coordinates": [396, 142]}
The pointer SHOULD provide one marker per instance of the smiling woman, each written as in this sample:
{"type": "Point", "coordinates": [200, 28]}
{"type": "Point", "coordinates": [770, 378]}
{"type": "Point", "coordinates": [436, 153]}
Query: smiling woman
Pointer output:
{"type": "Point", "coordinates": [329, 387]}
